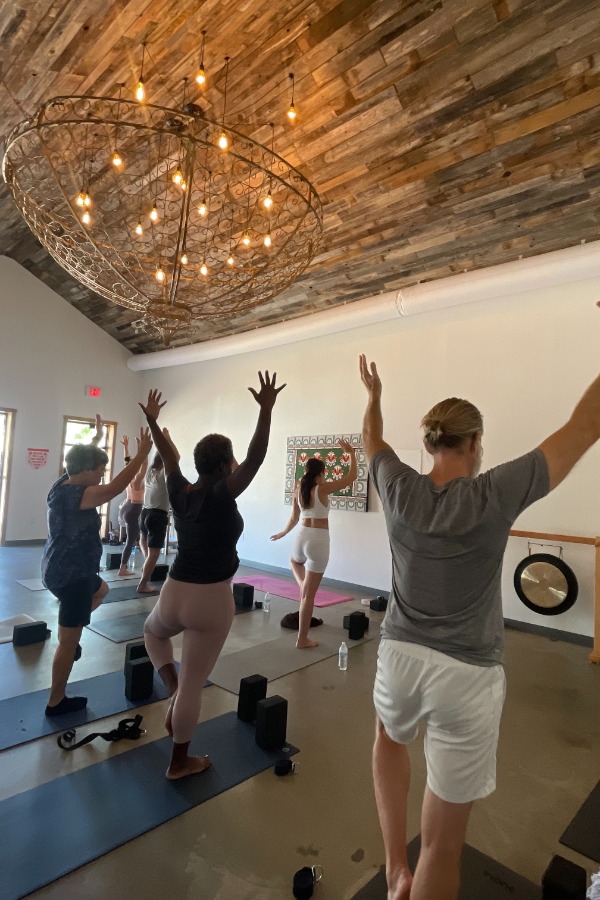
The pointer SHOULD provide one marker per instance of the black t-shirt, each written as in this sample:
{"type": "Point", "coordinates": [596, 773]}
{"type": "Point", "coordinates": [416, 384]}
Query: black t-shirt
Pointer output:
{"type": "Point", "coordinates": [208, 526]}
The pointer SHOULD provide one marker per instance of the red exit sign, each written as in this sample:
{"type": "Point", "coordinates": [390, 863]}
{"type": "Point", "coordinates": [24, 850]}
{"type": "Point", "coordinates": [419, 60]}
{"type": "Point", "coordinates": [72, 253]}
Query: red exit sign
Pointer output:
{"type": "Point", "coordinates": [91, 391]}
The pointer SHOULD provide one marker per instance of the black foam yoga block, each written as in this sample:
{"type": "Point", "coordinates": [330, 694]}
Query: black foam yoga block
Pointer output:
{"type": "Point", "coordinates": [243, 594]}
{"type": "Point", "coordinates": [356, 616]}
{"type": "Point", "coordinates": [135, 650]}
{"type": "Point", "coordinates": [139, 679]}
{"type": "Point", "coordinates": [271, 722]}
{"type": "Point", "coordinates": [563, 880]}
{"type": "Point", "coordinates": [379, 604]}
{"type": "Point", "coordinates": [29, 633]}
{"type": "Point", "coordinates": [113, 559]}
{"type": "Point", "coordinates": [252, 689]}
{"type": "Point", "coordinates": [160, 572]}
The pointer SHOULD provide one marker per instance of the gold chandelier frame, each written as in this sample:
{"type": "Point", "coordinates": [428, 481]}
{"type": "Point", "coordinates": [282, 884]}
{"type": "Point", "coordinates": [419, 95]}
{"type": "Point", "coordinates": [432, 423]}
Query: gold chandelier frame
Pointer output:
{"type": "Point", "coordinates": [142, 204]}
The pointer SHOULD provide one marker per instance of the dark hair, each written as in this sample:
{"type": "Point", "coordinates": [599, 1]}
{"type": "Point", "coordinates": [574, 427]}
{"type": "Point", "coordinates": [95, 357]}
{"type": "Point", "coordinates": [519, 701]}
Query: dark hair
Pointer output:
{"type": "Point", "coordinates": [312, 469]}
{"type": "Point", "coordinates": [84, 458]}
{"type": "Point", "coordinates": [157, 462]}
{"type": "Point", "coordinates": [211, 453]}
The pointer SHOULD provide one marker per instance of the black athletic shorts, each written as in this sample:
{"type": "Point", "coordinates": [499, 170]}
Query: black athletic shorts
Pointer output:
{"type": "Point", "coordinates": [153, 525]}
{"type": "Point", "coordinates": [75, 601]}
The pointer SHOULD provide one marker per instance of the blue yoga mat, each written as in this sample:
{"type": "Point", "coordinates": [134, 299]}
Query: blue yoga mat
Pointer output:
{"type": "Point", "coordinates": [22, 718]}
{"type": "Point", "coordinates": [58, 827]}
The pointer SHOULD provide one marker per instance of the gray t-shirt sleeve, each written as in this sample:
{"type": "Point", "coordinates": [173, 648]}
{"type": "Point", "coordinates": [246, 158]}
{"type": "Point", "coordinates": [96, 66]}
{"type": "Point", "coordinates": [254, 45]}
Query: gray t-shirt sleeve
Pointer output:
{"type": "Point", "coordinates": [389, 474]}
{"type": "Point", "coordinates": [517, 484]}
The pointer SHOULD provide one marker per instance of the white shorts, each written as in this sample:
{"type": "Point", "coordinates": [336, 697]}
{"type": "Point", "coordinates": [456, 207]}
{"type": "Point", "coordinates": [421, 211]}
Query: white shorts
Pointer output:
{"type": "Point", "coordinates": [311, 548]}
{"type": "Point", "coordinates": [461, 706]}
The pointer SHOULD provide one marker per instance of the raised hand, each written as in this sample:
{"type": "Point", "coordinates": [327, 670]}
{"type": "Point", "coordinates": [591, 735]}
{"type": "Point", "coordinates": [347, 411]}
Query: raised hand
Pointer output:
{"type": "Point", "coordinates": [144, 442]}
{"type": "Point", "coordinates": [125, 442]}
{"type": "Point", "coordinates": [267, 395]}
{"type": "Point", "coordinates": [369, 377]}
{"type": "Point", "coordinates": [153, 405]}
{"type": "Point", "coordinates": [99, 429]}
{"type": "Point", "coordinates": [348, 448]}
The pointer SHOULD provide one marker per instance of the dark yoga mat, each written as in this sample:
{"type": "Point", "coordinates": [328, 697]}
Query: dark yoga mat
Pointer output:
{"type": "Point", "coordinates": [583, 834]}
{"type": "Point", "coordinates": [58, 827]}
{"type": "Point", "coordinates": [129, 628]}
{"type": "Point", "coordinates": [22, 718]}
{"type": "Point", "coordinates": [482, 878]}
{"type": "Point", "coordinates": [128, 592]}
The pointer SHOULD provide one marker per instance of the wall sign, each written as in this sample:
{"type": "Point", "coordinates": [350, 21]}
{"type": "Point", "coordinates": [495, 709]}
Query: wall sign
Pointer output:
{"type": "Point", "coordinates": [92, 391]}
{"type": "Point", "coordinates": [36, 457]}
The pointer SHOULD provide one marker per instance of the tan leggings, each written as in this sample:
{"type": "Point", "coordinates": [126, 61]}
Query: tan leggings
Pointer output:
{"type": "Point", "coordinates": [204, 613]}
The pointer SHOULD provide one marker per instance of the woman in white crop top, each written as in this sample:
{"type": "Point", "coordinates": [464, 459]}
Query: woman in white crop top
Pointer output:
{"type": "Point", "coordinates": [310, 552]}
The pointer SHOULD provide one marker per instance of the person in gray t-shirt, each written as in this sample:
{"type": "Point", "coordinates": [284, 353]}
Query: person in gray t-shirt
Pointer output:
{"type": "Point", "coordinates": [440, 657]}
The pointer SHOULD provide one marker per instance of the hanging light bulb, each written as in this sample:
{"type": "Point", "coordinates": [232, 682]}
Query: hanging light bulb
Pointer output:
{"type": "Point", "coordinates": [87, 200]}
{"type": "Point", "coordinates": [246, 239]}
{"type": "Point", "coordinates": [268, 201]}
{"type": "Point", "coordinates": [116, 159]}
{"type": "Point", "coordinates": [160, 274]}
{"type": "Point", "coordinates": [80, 199]}
{"type": "Point", "coordinates": [183, 185]}
{"type": "Point", "coordinates": [201, 76]}
{"type": "Point", "coordinates": [178, 176]}
{"type": "Point", "coordinates": [267, 241]}
{"type": "Point", "coordinates": [230, 260]}
{"type": "Point", "coordinates": [86, 218]}
{"type": "Point", "coordinates": [223, 141]}
{"type": "Point", "coordinates": [204, 269]}
{"type": "Point", "coordinates": [139, 229]}
{"type": "Point", "coordinates": [184, 259]}
{"type": "Point", "coordinates": [202, 210]}
{"type": "Point", "coordinates": [154, 213]}
{"type": "Point", "coordinates": [291, 112]}
{"type": "Point", "coordinates": [140, 93]}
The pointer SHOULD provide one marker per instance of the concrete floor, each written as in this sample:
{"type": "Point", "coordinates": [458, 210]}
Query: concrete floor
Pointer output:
{"type": "Point", "coordinates": [246, 843]}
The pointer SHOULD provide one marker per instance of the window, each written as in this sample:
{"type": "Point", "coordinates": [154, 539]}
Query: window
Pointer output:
{"type": "Point", "coordinates": [7, 425]}
{"type": "Point", "coordinates": [81, 431]}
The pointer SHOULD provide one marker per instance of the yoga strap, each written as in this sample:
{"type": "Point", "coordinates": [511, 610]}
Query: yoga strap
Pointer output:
{"type": "Point", "coordinates": [126, 729]}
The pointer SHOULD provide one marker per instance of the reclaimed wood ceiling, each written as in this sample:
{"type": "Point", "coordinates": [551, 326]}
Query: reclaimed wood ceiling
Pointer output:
{"type": "Point", "coordinates": [441, 135]}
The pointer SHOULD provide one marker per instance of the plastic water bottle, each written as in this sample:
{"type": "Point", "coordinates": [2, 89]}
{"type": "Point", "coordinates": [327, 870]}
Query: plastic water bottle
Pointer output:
{"type": "Point", "coordinates": [343, 656]}
{"type": "Point", "coordinates": [132, 560]}
{"type": "Point", "coordinates": [267, 603]}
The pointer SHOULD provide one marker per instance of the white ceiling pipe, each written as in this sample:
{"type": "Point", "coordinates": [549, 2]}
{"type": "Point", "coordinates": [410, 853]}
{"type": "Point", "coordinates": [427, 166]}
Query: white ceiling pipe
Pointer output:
{"type": "Point", "coordinates": [574, 264]}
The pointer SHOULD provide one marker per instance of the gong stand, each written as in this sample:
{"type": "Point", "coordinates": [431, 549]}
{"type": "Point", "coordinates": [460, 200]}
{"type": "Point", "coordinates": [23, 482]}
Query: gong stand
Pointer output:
{"type": "Point", "coordinates": [594, 656]}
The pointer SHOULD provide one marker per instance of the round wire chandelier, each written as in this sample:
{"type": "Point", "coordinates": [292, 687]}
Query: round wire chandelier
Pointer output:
{"type": "Point", "coordinates": [162, 210]}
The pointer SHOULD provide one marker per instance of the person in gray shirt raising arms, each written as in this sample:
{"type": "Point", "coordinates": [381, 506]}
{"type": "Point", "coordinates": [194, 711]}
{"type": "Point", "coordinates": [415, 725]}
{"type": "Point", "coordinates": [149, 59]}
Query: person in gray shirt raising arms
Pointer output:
{"type": "Point", "coordinates": [441, 654]}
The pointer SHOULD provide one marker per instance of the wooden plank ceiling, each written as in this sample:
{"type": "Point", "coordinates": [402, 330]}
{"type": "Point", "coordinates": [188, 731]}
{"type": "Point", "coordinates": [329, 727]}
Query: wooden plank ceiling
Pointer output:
{"type": "Point", "coordinates": [441, 135]}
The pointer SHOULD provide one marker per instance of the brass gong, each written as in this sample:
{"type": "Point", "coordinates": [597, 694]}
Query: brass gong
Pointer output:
{"type": "Point", "coordinates": [545, 584]}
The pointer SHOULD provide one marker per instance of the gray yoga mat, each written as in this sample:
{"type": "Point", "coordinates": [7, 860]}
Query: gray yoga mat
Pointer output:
{"type": "Point", "coordinates": [277, 658]}
{"type": "Point", "coordinates": [583, 833]}
{"type": "Point", "coordinates": [58, 827]}
{"type": "Point", "coordinates": [35, 584]}
{"type": "Point", "coordinates": [482, 878]}
{"type": "Point", "coordinates": [129, 592]}
{"type": "Point", "coordinates": [129, 628]}
{"type": "Point", "coordinates": [22, 718]}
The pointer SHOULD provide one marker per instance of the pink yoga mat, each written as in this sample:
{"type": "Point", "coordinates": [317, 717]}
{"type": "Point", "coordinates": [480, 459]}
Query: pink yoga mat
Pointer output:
{"type": "Point", "coordinates": [290, 591]}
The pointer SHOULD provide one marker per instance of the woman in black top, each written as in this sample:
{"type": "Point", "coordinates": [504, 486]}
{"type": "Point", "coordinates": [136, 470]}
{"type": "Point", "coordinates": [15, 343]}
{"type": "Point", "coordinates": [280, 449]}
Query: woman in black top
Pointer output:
{"type": "Point", "coordinates": [196, 598]}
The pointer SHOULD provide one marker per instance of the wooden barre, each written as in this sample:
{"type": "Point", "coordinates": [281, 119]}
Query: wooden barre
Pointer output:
{"type": "Point", "coordinates": [566, 538]}
{"type": "Point", "coordinates": [594, 656]}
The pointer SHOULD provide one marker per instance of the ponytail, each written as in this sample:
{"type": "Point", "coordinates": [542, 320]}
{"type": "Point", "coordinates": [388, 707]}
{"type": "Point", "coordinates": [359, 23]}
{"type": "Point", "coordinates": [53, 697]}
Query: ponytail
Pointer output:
{"type": "Point", "coordinates": [312, 469]}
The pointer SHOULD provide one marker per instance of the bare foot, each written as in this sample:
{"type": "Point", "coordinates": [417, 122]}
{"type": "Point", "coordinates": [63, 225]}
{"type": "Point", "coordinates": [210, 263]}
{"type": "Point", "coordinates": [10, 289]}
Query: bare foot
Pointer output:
{"type": "Point", "coordinates": [169, 717]}
{"type": "Point", "coordinates": [123, 572]}
{"type": "Point", "coordinates": [192, 766]}
{"type": "Point", "coordinates": [305, 644]}
{"type": "Point", "coordinates": [399, 884]}
{"type": "Point", "coordinates": [144, 589]}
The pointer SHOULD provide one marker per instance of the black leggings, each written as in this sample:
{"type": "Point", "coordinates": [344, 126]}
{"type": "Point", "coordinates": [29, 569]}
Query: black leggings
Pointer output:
{"type": "Point", "coordinates": [130, 513]}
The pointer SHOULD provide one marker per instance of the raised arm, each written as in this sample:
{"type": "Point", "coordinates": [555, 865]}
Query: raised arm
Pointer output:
{"type": "Point", "coordinates": [162, 438]}
{"type": "Point", "coordinates": [99, 430]}
{"type": "Point", "coordinates": [102, 493]}
{"type": "Point", "coordinates": [241, 477]}
{"type": "Point", "coordinates": [566, 446]}
{"type": "Point", "coordinates": [292, 522]}
{"type": "Point", "coordinates": [372, 432]}
{"type": "Point", "coordinates": [330, 487]}
{"type": "Point", "coordinates": [138, 481]}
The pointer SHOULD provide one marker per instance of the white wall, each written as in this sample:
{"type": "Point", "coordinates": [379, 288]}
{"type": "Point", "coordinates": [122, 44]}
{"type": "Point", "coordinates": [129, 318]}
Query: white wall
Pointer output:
{"type": "Point", "coordinates": [49, 352]}
{"type": "Point", "coordinates": [524, 361]}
